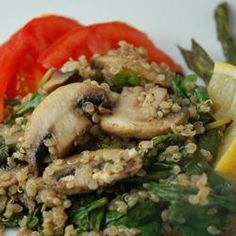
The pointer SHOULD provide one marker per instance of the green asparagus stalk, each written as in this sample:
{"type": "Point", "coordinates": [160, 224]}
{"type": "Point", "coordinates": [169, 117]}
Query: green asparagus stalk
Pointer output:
{"type": "Point", "coordinates": [224, 33]}
{"type": "Point", "coordinates": [199, 61]}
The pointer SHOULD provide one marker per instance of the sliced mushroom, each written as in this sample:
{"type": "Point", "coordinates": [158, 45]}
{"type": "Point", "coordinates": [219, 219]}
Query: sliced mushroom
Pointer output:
{"type": "Point", "coordinates": [135, 59]}
{"type": "Point", "coordinates": [60, 78]}
{"type": "Point", "coordinates": [58, 120]}
{"type": "Point", "coordinates": [71, 72]}
{"type": "Point", "coordinates": [91, 170]}
{"type": "Point", "coordinates": [135, 114]}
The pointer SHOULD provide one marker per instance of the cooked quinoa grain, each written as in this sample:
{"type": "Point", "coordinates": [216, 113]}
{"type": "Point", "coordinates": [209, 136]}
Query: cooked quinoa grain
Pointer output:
{"type": "Point", "coordinates": [112, 149]}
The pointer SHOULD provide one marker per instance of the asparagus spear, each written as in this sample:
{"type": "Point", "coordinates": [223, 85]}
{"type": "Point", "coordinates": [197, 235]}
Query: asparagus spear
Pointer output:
{"type": "Point", "coordinates": [198, 60]}
{"type": "Point", "coordinates": [224, 34]}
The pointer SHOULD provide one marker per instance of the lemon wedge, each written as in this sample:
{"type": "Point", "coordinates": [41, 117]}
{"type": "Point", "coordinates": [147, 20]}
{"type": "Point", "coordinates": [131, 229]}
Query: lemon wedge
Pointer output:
{"type": "Point", "coordinates": [222, 91]}
{"type": "Point", "coordinates": [227, 164]}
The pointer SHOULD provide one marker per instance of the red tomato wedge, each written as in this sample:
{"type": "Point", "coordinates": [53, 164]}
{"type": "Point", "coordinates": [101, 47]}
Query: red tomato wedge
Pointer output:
{"type": "Point", "coordinates": [8, 63]}
{"type": "Point", "coordinates": [99, 38]}
{"type": "Point", "coordinates": [40, 33]}
{"type": "Point", "coordinates": [43, 31]}
{"type": "Point", "coordinates": [19, 70]}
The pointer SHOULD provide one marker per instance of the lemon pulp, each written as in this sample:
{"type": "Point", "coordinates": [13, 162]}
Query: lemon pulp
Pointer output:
{"type": "Point", "coordinates": [222, 91]}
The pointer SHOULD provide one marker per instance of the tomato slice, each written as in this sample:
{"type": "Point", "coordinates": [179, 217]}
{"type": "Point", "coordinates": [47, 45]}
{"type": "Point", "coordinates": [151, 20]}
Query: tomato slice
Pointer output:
{"type": "Point", "coordinates": [80, 41]}
{"type": "Point", "coordinates": [43, 31]}
{"type": "Point", "coordinates": [19, 70]}
{"type": "Point", "coordinates": [99, 38]}
{"type": "Point", "coordinates": [40, 33]}
{"type": "Point", "coordinates": [10, 55]}
{"type": "Point", "coordinates": [116, 31]}
{"type": "Point", "coordinates": [28, 75]}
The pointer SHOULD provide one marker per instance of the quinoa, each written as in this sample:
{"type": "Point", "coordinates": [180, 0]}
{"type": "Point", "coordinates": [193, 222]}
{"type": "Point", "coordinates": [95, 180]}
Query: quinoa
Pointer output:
{"type": "Point", "coordinates": [100, 178]}
{"type": "Point", "coordinates": [120, 231]}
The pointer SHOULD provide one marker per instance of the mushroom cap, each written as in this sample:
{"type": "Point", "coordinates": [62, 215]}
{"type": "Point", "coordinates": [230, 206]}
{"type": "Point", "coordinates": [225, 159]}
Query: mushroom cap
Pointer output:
{"type": "Point", "coordinates": [59, 119]}
{"type": "Point", "coordinates": [60, 78]}
{"type": "Point", "coordinates": [92, 169]}
{"type": "Point", "coordinates": [131, 118]}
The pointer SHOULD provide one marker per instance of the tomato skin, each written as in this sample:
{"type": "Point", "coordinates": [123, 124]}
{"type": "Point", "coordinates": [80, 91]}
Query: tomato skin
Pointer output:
{"type": "Point", "coordinates": [80, 41]}
{"type": "Point", "coordinates": [18, 55]}
{"type": "Point", "coordinates": [9, 62]}
{"type": "Point", "coordinates": [99, 38]}
{"type": "Point", "coordinates": [137, 38]}
{"type": "Point", "coordinates": [44, 30]}
{"type": "Point", "coordinates": [39, 33]}
{"type": "Point", "coordinates": [51, 40]}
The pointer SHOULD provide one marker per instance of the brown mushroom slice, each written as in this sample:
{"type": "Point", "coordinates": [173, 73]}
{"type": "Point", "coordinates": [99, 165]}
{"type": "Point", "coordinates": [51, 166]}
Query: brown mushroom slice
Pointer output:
{"type": "Point", "coordinates": [137, 118]}
{"type": "Point", "coordinates": [60, 78]}
{"type": "Point", "coordinates": [59, 119]}
{"type": "Point", "coordinates": [91, 170]}
{"type": "Point", "coordinates": [131, 58]}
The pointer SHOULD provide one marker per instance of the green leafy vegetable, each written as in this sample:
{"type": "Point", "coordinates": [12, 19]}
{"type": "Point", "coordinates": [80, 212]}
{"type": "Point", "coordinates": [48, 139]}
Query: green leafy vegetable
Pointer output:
{"type": "Point", "coordinates": [210, 141]}
{"type": "Point", "coordinates": [4, 152]}
{"type": "Point", "coordinates": [113, 216]}
{"type": "Point", "coordinates": [168, 139]}
{"type": "Point", "coordinates": [184, 87]}
{"type": "Point", "coordinates": [22, 109]}
{"type": "Point", "coordinates": [97, 218]}
{"type": "Point", "coordinates": [224, 34]}
{"type": "Point", "coordinates": [81, 216]}
{"type": "Point", "coordinates": [14, 221]}
{"type": "Point", "coordinates": [30, 105]}
{"type": "Point", "coordinates": [169, 191]}
{"type": "Point", "coordinates": [34, 220]}
{"type": "Point", "coordinates": [126, 78]}
{"type": "Point", "coordinates": [144, 216]}
{"type": "Point", "coordinates": [152, 175]}
{"type": "Point", "coordinates": [160, 142]}
{"type": "Point", "coordinates": [202, 94]}
{"type": "Point", "coordinates": [148, 229]}
{"type": "Point", "coordinates": [194, 219]}
{"type": "Point", "coordinates": [176, 85]}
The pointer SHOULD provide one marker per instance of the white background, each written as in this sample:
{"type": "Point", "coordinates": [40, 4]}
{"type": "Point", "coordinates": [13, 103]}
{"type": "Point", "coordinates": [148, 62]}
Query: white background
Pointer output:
{"type": "Point", "coordinates": [167, 22]}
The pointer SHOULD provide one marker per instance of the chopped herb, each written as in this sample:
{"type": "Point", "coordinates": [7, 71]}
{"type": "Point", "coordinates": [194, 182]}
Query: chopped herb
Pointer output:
{"type": "Point", "coordinates": [30, 105]}
{"type": "Point", "coordinates": [34, 220]}
{"type": "Point", "coordinates": [12, 102]}
{"type": "Point", "coordinates": [14, 221]}
{"type": "Point", "coordinates": [126, 78]}
{"type": "Point", "coordinates": [202, 93]}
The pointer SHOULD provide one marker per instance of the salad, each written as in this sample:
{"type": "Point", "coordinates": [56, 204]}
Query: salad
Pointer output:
{"type": "Point", "coordinates": [102, 133]}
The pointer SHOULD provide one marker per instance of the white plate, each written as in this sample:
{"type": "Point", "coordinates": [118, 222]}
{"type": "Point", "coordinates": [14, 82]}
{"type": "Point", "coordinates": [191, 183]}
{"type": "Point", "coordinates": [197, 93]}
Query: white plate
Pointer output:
{"type": "Point", "coordinates": [167, 22]}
